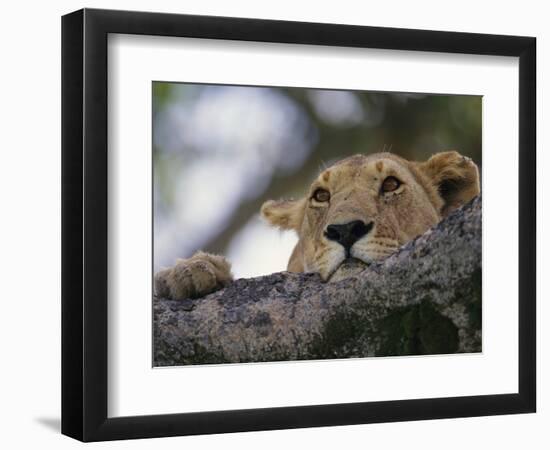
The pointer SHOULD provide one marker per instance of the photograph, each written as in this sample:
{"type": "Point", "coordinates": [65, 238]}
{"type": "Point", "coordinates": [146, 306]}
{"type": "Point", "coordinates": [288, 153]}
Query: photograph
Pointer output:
{"type": "Point", "coordinates": [275, 225]}
{"type": "Point", "coordinates": [296, 223]}
{"type": "Point", "coordinates": [282, 224]}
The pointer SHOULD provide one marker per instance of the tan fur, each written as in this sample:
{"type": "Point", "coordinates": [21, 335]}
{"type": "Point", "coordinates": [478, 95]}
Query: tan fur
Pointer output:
{"type": "Point", "coordinates": [428, 191]}
{"type": "Point", "coordinates": [355, 187]}
{"type": "Point", "coordinates": [197, 276]}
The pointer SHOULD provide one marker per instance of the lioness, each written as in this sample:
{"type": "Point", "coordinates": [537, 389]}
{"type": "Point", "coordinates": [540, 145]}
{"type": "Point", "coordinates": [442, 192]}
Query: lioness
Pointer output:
{"type": "Point", "coordinates": [363, 207]}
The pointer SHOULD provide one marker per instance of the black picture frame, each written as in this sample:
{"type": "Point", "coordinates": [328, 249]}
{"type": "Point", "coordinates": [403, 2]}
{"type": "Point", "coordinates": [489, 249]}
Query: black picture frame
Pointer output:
{"type": "Point", "coordinates": [84, 224]}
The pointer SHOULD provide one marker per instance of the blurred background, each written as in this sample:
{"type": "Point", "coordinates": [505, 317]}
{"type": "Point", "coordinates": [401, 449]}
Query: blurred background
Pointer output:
{"type": "Point", "coordinates": [220, 151]}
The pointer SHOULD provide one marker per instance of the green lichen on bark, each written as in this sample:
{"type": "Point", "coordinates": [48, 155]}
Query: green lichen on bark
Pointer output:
{"type": "Point", "coordinates": [474, 307]}
{"type": "Point", "coordinates": [340, 337]}
{"type": "Point", "coordinates": [416, 330]}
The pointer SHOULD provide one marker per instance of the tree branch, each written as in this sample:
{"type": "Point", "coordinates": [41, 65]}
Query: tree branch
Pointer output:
{"type": "Point", "coordinates": [424, 299]}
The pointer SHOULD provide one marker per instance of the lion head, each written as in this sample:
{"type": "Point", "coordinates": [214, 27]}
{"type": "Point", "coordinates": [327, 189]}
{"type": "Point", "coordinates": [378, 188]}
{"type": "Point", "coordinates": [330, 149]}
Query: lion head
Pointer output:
{"type": "Point", "coordinates": [366, 207]}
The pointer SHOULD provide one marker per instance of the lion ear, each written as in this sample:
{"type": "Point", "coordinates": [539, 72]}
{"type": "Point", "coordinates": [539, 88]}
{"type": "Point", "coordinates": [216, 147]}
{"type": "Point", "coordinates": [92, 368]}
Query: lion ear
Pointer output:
{"type": "Point", "coordinates": [285, 214]}
{"type": "Point", "coordinates": [455, 177]}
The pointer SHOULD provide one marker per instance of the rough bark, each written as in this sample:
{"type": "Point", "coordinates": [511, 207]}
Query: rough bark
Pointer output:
{"type": "Point", "coordinates": [424, 299]}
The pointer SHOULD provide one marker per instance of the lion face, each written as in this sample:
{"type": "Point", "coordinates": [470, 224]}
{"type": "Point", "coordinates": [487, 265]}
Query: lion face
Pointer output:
{"type": "Point", "coordinates": [366, 207]}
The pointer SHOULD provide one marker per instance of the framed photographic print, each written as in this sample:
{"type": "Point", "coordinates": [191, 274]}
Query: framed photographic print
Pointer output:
{"type": "Point", "coordinates": [273, 224]}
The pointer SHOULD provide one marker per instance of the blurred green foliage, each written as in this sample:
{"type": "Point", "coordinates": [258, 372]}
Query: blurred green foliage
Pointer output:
{"type": "Point", "coordinates": [336, 124]}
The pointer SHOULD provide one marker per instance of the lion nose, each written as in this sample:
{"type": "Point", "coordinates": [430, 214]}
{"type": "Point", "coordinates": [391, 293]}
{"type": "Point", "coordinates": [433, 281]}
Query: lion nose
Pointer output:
{"type": "Point", "coordinates": [349, 233]}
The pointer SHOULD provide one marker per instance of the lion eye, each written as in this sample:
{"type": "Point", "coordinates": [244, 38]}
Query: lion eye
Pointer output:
{"type": "Point", "coordinates": [321, 195]}
{"type": "Point", "coordinates": [390, 184]}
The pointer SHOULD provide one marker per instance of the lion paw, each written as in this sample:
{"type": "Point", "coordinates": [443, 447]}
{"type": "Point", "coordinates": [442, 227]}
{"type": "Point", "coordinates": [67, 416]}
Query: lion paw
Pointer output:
{"type": "Point", "coordinates": [194, 277]}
